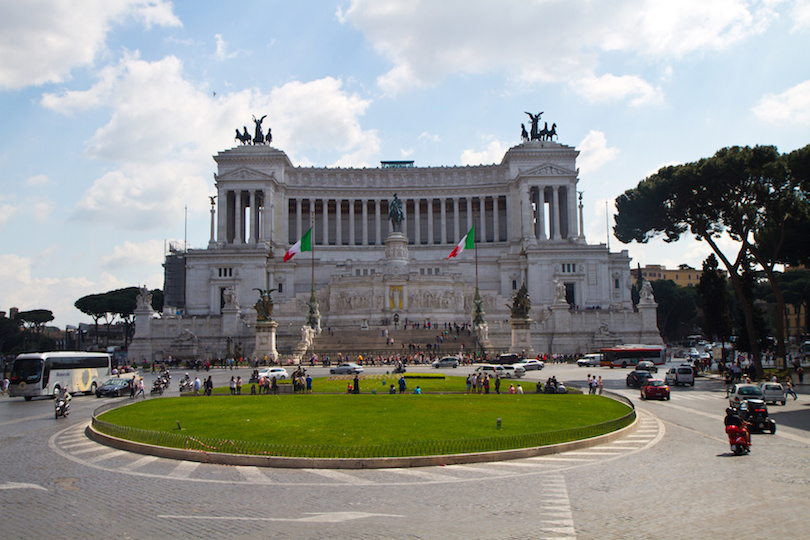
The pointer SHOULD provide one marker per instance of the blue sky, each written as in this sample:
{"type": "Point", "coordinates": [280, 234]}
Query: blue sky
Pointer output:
{"type": "Point", "coordinates": [110, 110]}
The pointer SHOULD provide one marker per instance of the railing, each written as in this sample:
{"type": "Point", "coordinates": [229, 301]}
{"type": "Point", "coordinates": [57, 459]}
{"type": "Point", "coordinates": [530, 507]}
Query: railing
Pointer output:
{"type": "Point", "coordinates": [402, 449]}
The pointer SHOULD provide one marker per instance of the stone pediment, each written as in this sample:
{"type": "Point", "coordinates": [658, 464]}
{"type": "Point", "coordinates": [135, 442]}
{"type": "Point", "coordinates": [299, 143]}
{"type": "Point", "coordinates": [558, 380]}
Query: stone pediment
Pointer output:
{"type": "Point", "coordinates": [244, 173]}
{"type": "Point", "coordinates": [547, 169]}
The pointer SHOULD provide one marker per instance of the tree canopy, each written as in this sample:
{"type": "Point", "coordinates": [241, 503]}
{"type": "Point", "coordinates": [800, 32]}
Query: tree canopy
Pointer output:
{"type": "Point", "coordinates": [741, 193]}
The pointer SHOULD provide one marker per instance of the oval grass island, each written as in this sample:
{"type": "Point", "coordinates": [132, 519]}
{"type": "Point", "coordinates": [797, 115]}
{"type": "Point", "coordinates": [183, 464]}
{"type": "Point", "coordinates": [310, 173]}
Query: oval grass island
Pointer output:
{"type": "Point", "coordinates": [369, 430]}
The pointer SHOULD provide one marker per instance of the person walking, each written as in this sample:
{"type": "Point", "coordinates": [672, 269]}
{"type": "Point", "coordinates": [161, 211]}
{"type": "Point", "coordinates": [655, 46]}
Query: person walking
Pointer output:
{"type": "Point", "coordinates": [600, 385]}
{"type": "Point", "coordinates": [140, 391]}
{"type": "Point", "coordinates": [789, 388]}
{"type": "Point", "coordinates": [209, 386]}
{"type": "Point", "coordinates": [497, 384]}
{"type": "Point", "coordinates": [239, 386]}
{"type": "Point", "coordinates": [233, 386]}
{"type": "Point", "coordinates": [486, 384]}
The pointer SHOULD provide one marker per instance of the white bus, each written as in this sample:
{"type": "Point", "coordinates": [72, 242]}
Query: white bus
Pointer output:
{"type": "Point", "coordinates": [46, 373]}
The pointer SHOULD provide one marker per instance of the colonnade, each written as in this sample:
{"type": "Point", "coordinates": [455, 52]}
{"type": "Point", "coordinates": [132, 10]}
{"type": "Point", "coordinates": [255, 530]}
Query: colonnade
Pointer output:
{"type": "Point", "coordinates": [437, 220]}
{"type": "Point", "coordinates": [553, 204]}
{"type": "Point", "coordinates": [238, 226]}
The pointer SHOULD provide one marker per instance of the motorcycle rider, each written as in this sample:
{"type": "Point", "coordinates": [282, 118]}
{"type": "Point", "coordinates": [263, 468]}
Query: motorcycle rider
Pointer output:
{"type": "Point", "coordinates": [733, 419]}
{"type": "Point", "coordinates": [64, 396]}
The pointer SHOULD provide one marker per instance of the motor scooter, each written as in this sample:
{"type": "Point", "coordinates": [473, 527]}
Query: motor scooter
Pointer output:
{"type": "Point", "coordinates": [399, 369]}
{"type": "Point", "coordinates": [738, 440]}
{"type": "Point", "coordinates": [61, 407]}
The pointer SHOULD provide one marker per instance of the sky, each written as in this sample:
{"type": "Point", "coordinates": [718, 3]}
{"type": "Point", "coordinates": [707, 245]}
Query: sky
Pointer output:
{"type": "Point", "coordinates": [111, 110]}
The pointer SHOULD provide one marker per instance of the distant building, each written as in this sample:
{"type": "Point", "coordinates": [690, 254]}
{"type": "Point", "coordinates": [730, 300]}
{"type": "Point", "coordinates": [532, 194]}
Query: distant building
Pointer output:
{"type": "Point", "coordinates": [685, 277]}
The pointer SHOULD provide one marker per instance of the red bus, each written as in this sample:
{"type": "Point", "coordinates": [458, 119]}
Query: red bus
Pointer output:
{"type": "Point", "coordinates": [629, 355]}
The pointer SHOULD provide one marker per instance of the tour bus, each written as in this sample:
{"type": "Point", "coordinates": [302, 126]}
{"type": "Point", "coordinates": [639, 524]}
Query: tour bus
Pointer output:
{"type": "Point", "coordinates": [46, 373]}
{"type": "Point", "coordinates": [629, 355]}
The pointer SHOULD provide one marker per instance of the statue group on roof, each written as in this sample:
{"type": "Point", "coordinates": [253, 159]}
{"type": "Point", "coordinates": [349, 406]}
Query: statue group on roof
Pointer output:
{"type": "Point", "coordinates": [258, 136]}
{"type": "Point", "coordinates": [538, 134]}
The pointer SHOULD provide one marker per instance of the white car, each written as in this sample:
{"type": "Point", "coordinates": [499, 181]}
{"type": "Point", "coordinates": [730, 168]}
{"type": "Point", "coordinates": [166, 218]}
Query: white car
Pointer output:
{"type": "Point", "coordinates": [504, 372]}
{"type": "Point", "coordinates": [741, 392]}
{"type": "Point", "coordinates": [349, 368]}
{"type": "Point", "coordinates": [531, 364]}
{"type": "Point", "coordinates": [447, 361]}
{"type": "Point", "coordinates": [278, 372]}
{"type": "Point", "coordinates": [593, 359]}
{"type": "Point", "coordinates": [773, 392]}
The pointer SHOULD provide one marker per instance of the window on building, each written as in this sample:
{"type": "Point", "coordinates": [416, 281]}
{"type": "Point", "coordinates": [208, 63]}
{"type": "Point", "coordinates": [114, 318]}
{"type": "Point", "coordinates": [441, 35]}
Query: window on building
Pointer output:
{"type": "Point", "coordinates": [280, 287]}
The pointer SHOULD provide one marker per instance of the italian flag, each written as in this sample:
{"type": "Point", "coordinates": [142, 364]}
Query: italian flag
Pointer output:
{"type": "Point", "coordinates": [468, 242]}
{"type": "Point", "coordinates": [305, 244]}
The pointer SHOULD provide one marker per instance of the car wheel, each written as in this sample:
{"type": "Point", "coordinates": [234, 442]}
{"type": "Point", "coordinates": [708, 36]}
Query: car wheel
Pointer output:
{"type": "Point", "coordinates": [624, 364]}
{"type": "Point", "coordinates": [667, 397]}
{"type": "Point", "coordinates": [773, 429]}
{"type": "Point", "coordinates": [332, 371]}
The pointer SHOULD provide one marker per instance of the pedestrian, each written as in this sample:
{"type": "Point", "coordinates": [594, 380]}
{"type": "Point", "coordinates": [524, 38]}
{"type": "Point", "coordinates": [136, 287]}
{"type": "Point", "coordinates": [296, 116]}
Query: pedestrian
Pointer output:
{"type": "Point", "coordinates": [233, 386]}
{"type": "Point", "coordinates": [511, 388]}
{"type": "Point", "coordinates": [519, 389]}
{"type": "Point", "coordinates": [356, 384]}
{"type": "Point", "coordinates": [197, 386]}
{"type": "Point", "coordinates": [5, 385]}
{"type": "Point", "coordinates": [799, 372]}
{"type": "Point", "coordinates": [131, 384]}
{"type": "Point", "coordinates": [486, 384]}
{"type": "Point", "coordinates": [273, 386]}
{"type": "Point", "coordinates": [474, 384]}
{"type": "Point", "coordinates": [497, 384]}
{"type": "Point", "coordinates": [789, 388]}
{"type": "Point", "coordinates": [309, 383]}
{"type": "Point", "coordinates": [209, 386]}
{"type": "Point", "coordinates": [239, 386]}
{"type": "Point", "coordinates": [140, 389]}
{"type": "Point", "coordinates": [600, 384]}
{"type": "Point", "coordinates": [469, 383]}
{"type": "Point", "coordinates": [402, 384]}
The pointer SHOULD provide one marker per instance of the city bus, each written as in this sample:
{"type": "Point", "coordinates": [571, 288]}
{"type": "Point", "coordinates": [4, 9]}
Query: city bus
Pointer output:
{"type": "Point", "coordinates": [46, 373]}
{"type": "Point", "coordinates": [629, 355]}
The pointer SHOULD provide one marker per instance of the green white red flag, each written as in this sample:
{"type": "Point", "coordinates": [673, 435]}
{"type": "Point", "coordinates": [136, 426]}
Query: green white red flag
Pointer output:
{"type": "Point", "coordinates": [304, 244]}
{"type": "Point", "coordinates": [467, 242]}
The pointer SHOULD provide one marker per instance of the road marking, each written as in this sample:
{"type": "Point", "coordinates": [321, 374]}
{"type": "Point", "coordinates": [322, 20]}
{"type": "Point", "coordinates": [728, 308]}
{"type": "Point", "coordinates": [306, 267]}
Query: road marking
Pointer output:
{"type": "Point", "coordinates": [108, 455]}
{"type": "Point", "coordinates": [78, 444]}
{"type": "Point", "coordinates": [252, 475]}
{"type": "Point", "coordinates": [339, 476]}
{"type": "Point", "coordinates": [140, 462]}
{"type": "Point", "coordinates": [20, 485]}
{"type": "Point", "coordinates": [184, 469]}
{"type": "Point", "coordinates": [319, 517]}
{"type": "Point", "coordinates": [430, 476]}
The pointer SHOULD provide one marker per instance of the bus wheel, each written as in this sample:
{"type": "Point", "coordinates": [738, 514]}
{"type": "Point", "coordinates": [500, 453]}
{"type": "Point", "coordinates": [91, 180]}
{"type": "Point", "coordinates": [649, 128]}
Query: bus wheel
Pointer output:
{"type": "Point", "coordinates": [624, 364]}
{"type": "Point", "coordinates": [93, 388]}
{"type": "Point", "coordinates": [28, 398]}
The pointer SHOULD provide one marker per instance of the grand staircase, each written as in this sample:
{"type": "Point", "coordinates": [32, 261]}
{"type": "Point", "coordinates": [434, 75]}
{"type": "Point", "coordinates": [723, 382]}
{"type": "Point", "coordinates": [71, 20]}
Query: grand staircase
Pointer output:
{"type": "Point", "coordinates": [353, 342]}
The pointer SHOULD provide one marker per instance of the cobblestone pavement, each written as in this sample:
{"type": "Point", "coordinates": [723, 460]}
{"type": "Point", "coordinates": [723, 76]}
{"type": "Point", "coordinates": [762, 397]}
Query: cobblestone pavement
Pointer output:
{"type": "Point", "coordinates": [673, 477]}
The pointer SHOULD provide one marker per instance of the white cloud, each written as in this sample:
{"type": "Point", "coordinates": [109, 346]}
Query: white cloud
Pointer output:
{"type": "Point", "coordinates": [610, 88]}
{"type": "Point", "coordinates": [542, 41]}
{"type": "Point", "coordinates": [41, 41]}
{"type": "Point", "coordinates": [149, 253]}
{"type": "Point", "coordinates": [493, 153]}
{"type": "Point", "coordinates": [37, 180]}
{"type": "Point", "coordinates": [163, 130]}
{"type": "Point", "coordinates": [7, 212]}
{"type": "Point", "coordinates": [801, 15]}
{"type": "Point", "coordinates": [21, 288]}
{"type": "Point", "coordinates": [791, 106]}
{"type": "Point", "coordinates": [594, 152]}
{"type": "Point", "coordinates": [222, 49]}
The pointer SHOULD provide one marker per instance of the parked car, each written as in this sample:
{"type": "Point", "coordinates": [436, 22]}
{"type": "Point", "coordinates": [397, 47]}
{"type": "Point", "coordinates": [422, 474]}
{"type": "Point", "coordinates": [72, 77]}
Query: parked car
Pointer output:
{"type": "Point", "coordinates": [349, 368]}
{"type": "Point", "coordinates": [447, 361]}
{"type": "Point", "coordinates": [654, 389]}
{"type": "Point", "coordinates": [507, 358]}
{"type": "Point", "coordinates": [683, 374]}
{"type": "Point", "coordinates": [637, 378]}
{"type": "Point", "coordinates": [505, 372]}
{"type": "Point", "coordinates": [773, 392]}
{"type": "Point", "coordinates": [592, 359]}
{"type": "Point", "coordinates": [531, 364]}
{"type": "Point", "coordinates": [113, 388]}
{"type": "Point", "coordinates": [647, 365]}
{"type": "Point", "coordinates": [278, 372]}
{"type": "Point", "coordinates": [742, 391]}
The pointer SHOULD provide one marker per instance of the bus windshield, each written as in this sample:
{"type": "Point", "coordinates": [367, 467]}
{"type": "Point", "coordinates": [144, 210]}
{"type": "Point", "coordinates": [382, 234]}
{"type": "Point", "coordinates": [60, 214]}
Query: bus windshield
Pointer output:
{"type": "Point", "coordinates": [28, 370]}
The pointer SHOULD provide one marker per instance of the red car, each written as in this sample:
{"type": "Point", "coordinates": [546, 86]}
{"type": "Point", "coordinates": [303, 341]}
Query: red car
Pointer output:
{"type": "Point", "coordinates": [654, 389]}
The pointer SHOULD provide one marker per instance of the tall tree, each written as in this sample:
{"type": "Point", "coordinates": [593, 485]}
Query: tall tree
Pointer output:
{"type": "Point", "coordinates": [713, 292]}
{"type": "Point", "coordinates": [677, 308]}
{"type": "Point", "coordinates": [36, 319]}
{"type": "Point", "coordinates": [95, 306]}
{"type": "Point", "coordinates": [726, 196]}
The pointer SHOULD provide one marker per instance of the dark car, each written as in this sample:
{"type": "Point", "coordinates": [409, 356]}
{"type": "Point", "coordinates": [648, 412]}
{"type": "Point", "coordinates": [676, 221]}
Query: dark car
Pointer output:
{"type": "Point", "coordinates": [654, 389]}
{"type": "Point", "coordinates": [113, 388]}
{"type": "Point", "coordinates": [755, 412]}
{"type": "Point", "coordinates": [647, 365]}
{"type": "Point", "coordinates": [637, 378]}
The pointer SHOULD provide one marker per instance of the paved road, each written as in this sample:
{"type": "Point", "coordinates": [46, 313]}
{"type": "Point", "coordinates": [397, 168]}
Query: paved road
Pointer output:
{"type": "Point", "coordinates": [674, 477]}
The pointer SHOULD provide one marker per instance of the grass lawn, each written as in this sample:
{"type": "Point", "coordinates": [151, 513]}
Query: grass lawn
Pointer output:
{"type": "Point", "coordinates": [366, 419]}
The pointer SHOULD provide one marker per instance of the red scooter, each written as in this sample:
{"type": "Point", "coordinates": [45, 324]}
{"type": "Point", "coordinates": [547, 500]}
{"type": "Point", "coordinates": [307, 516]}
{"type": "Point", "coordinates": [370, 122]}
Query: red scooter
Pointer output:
{"type": "Point", "coordinates": [738, 439]}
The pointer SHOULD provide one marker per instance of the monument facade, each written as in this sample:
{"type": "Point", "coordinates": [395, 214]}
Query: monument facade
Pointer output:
{"type": "Point", "coordinates": [380, 244]}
